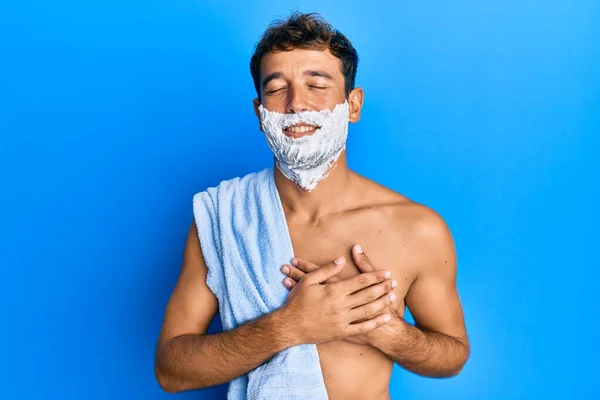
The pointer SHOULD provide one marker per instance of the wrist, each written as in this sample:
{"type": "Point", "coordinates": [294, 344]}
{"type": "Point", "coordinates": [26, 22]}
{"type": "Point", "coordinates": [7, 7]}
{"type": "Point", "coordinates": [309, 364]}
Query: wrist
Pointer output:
{"type": "Point", "coordinates": [285, 335]}
{"type": "Point", "coordinates": [393, 332]}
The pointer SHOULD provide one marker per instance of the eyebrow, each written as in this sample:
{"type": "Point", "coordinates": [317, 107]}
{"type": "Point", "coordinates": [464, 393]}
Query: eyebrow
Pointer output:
{"type": "Point", "coordinates": [318, 73]}
{"type": "Point", "coordinates": [314, 73]}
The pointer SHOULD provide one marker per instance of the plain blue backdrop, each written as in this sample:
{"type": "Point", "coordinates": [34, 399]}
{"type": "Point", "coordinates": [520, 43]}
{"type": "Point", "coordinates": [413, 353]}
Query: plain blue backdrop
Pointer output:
{"type": "Point", "coordinates": [114, 113]}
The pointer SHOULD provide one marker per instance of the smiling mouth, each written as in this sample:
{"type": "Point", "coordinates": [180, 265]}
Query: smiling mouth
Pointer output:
{"type": "Point", "coordinates": [299, 130]}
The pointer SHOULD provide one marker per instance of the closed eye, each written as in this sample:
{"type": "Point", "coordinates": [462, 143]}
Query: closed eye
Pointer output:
{"type": "Point", "coordinates": [273, 91]}
{"type": "Point", "coordinates": [317, 87]}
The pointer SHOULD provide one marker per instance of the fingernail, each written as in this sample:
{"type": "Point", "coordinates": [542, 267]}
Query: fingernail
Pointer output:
{"type": "Point", "coordinates": [339, 260]}
{"type": "Point", "coordinates": [285, 270]}
{"type": "Point", "coordinates": [387, 275]}
{"type": "Point", "coordinates": [394, 283]}
{"type": "Point", "coordinates": [358, 248]}
{"type": "Point", "coordinates": [392, 297]}
{"type": "Point", "coordinates": [295, 262]}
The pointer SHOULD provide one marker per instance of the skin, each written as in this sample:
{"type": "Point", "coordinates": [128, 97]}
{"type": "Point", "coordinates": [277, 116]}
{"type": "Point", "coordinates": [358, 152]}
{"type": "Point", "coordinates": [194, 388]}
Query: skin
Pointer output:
{"type": "Point", "coordinates": [353, 309]}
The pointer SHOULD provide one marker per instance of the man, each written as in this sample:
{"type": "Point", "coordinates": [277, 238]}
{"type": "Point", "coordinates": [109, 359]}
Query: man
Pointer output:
{"type": "Point", "coordinates": [346, 231]}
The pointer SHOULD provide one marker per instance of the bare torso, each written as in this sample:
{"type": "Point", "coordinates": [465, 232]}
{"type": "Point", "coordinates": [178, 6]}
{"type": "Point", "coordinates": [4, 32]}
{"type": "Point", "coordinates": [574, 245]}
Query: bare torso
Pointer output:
{"type": "Point", "coordinates": [375, 221]}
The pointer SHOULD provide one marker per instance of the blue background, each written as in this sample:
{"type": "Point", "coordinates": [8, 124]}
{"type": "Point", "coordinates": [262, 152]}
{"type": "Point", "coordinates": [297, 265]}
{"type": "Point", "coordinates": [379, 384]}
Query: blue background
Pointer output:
{"type": "Point", "coordinates": [114, 113]}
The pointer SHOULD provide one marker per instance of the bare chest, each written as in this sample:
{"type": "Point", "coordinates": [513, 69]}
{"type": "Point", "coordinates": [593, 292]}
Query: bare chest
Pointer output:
{"type": "Point", "coordinates": [381, 242]}
{"type": "Point", "coordinates": [354, 371]}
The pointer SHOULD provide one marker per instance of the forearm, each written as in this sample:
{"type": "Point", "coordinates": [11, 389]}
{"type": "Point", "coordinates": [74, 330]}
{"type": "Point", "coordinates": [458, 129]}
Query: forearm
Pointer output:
{"type": "Point", "coordinates": [190, 362]}
{"type": "Point", "coordinates": [420, 351]}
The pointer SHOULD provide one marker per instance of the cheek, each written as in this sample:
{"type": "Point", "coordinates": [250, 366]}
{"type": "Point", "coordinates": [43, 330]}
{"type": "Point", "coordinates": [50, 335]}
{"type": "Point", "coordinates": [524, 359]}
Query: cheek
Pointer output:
{"type": "Point", "coordinates": [330, 99]}
{"type": "Point", "coordinates": [275, 103]}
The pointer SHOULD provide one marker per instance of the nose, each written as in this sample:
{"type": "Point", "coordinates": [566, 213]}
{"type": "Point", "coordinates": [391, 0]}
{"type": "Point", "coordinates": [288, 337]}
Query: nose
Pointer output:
{"type": "Point", "coordinates": [296, 103]}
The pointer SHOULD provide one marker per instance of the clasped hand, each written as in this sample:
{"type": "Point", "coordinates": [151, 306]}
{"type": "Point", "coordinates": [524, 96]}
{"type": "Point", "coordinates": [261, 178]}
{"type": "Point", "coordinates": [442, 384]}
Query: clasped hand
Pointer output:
{"type": "Point", "coordinates": [327, 308]}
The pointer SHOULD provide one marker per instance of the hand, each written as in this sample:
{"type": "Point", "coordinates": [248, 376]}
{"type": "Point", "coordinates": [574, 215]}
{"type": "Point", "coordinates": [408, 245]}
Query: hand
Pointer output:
{"type": "Point", "coordinates": [329, 311]}
{"type": "Point", "coordinates": [364, 264]}
{"type": "Point", "coordinates": [301, 267]}
{"type": "Point", "coordinates": [298, 269]}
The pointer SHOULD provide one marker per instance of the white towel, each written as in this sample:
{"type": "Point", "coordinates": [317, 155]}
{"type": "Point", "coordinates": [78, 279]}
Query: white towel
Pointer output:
{"type": "Point", "coordinates": [245, 241]}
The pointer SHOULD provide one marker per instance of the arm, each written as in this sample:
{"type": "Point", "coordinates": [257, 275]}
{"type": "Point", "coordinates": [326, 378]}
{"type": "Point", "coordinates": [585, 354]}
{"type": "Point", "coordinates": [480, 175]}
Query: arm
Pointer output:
{"type": "Point", "coordinates": [187, 358]}
{"type": "Point", "coordinates": [437, 346]}
{"type": "Point", "coordinates": [315, 312]}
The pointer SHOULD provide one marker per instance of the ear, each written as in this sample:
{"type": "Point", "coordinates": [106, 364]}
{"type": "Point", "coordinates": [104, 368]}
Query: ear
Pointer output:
{"type": "Point", "coordinates": [257, 112]}
{"type": "Point", "coordinates": [355, 102]}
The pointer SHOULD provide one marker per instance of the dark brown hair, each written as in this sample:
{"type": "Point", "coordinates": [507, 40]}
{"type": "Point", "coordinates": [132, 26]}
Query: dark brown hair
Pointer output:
{"type": "Point", "coordinates": [305, 31]}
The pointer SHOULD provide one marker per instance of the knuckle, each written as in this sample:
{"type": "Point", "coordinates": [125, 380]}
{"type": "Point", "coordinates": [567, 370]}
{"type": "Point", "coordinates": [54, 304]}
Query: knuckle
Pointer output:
{"type": "Point", "coordinates": [383, 287]}
{"type": "Point", "coordinates": [366, 327]}
{"type": "Point", "coordinates": [378, 277]}
{"type": "Point", "coordinates": [369, 296]}
{"type": "Point", "coordinates": [367, 311]}
{"type": "Point", "coordinates": [363, 280]}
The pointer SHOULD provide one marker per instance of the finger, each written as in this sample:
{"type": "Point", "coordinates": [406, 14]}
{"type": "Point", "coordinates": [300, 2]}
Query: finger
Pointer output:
{"type": "Point", "coordinates": [361, 260]}
{"type": "Point", "coordinates": [372, 309]}
{"type": "Point", "coordinates": [362, 281]}
{"type": "Point", "coordinates": [370, 294]}
{"type": "Point", "coordinates": [368, 326]}
{"type": "Point", "coordinates": [292, 272]}
{"type": "Point", "coordinates": [289, 283]}
{"type": "Point", "coordinates": [305, 266]}
{"type": "Point", "coordinates": [325, 272]}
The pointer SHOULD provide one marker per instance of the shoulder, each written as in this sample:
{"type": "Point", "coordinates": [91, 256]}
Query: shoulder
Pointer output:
{"type": "Point", "coordinates": [231, 184]}
{"type": "Point", "coordinates": [423, 223]}
{"type": "Point", "coordinates": [418, 227]}
{"type": "Point", "coordinates": [430, 244]}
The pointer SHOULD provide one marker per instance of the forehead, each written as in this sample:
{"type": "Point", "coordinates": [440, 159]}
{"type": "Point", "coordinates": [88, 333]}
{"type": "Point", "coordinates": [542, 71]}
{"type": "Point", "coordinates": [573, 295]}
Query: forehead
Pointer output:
{"type": "Point", "coordinates": [298, 60]}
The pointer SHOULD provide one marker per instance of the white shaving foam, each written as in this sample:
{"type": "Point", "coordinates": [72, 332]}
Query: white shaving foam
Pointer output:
{"type": "Point", "coordinates": [309, 159]}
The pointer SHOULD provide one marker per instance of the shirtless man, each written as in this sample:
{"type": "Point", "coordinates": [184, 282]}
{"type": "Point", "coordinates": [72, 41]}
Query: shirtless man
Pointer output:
{"type": "Point", "coordinates": [303, 65]}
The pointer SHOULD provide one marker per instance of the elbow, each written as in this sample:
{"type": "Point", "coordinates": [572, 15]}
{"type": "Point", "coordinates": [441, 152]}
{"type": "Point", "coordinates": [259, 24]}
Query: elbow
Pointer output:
{"type": "Point", "coordinates": [454, 372]}
{"type": "Point", "coordinates": [453, 367]}
{"type": "Point", "coordinates": [165, 382]}
{"type": "Point", "coordinates": [165, 376]}
{"type": "Point", "coordinates": [461, 362]}
{"type": "Point", "coordinates": [171, 382]}
{"type": "Point", "coordinates": [446, 373]}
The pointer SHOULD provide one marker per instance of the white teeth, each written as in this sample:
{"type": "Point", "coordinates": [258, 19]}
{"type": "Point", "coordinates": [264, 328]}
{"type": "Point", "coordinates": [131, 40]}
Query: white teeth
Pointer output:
{"type": "Point", "coordinates": [300, 129]}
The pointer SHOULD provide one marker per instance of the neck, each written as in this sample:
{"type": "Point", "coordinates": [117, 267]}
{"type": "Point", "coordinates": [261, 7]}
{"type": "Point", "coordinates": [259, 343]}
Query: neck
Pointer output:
{"type": "Point", "coordinates": [329, 197]}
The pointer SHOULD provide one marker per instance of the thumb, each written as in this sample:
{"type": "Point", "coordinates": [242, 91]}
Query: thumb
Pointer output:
{"type": "Point", "coordinates": [326, 271]}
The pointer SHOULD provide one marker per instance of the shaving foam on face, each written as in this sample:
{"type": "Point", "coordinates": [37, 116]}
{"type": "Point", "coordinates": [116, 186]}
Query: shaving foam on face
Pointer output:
{"type": "Point", "coordinates": [309, 159]}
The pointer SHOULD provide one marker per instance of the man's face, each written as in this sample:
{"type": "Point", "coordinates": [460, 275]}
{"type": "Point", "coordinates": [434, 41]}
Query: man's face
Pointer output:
{"type": "Point", "coordinates": [301, 80]}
